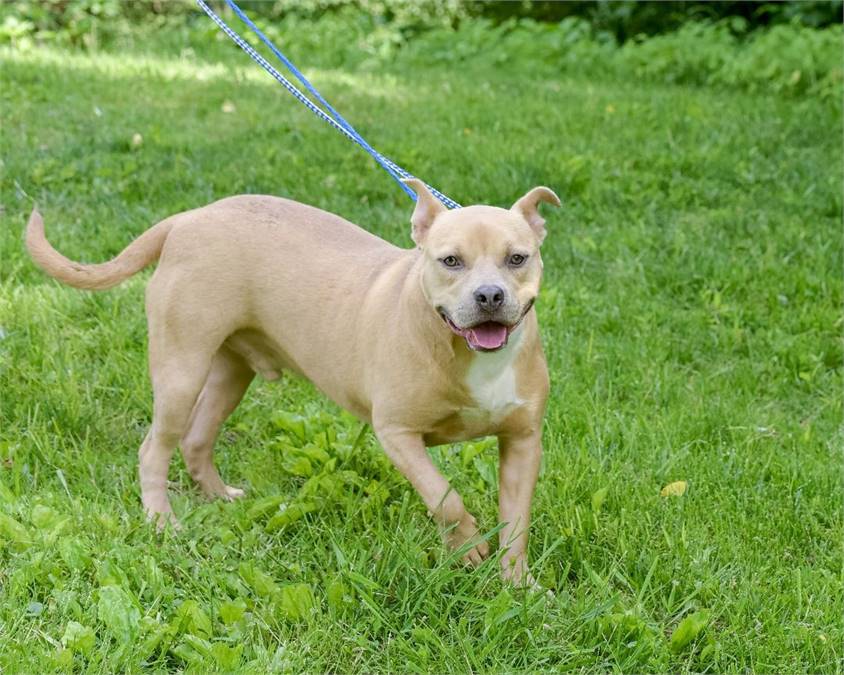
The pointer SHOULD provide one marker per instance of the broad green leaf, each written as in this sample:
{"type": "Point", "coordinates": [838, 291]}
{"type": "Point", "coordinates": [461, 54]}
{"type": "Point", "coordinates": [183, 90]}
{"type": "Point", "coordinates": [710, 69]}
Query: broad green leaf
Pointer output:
{"type": "Point", "coordinates": [486, 468]}
{"type": "Point", "coordinates": [232, 611]}
{"type": "Point", "coordinates": [337, 594]}
{"type": "Point", "coordinates": [74, 553]}
{"type": "Point", "coordinates": [328, 484]}
{"type": "Point", "coordinates": [118, 612]}
{"type": "Point", "coordinates": [422, 635]}
{"type": "Point", "coordinates": [199, 645]}
{"type": "Point", "coordinates": [298, 465]}
{"type": "Point", "coordinates": [622, 625]}
{"type": "Point", "coordinates": [471, 450]}
{"type": "Point", "coordinates": [288, 515]}
{"type": "Point", "coordinates": [261, 507]}
{"type": "Point", "coordinates": [12, 531]}
{"type": "Point", "coordinates": [226, 658]}
{"type": "Point", "coordinates": [364, 581]}
{"type": "Point", "coordinates": [154, 577]}
{"type": "Point", "coordinates": [296, 601]}
{"type": "Point", "coordinates": [688, 629]}
{"type": "Point", "coordinates": [193, 620]}
{"type": "Point", "coordinates": [377, 493]}
{"type": "Point", "coordinates": [6, 493]}
{"type": "Point", "coordinates": [707, 652]}
{"type": "Point", "coordinates": [154, 633]}
{"type": "Point", "coordinates": [110, 573]}
{"type": "Point", "coordinates": [261, 583]}
{"type": "Point", "coordinates": [598, 498]}
{"type": "Point", "coordinates": [44, 518]}
{"type": "Point", "coordinates": [350, 477]}
{"type": "Point", "coordinates": [314, 453]}
{"type": "Point", "coordinates": [500, 610]}
{"type": "Point", "coordinates": [63, 660]}
{"type": "Point", "coordinates": [194, 650]}
{"type": "Point", "coordinates": [78, 638]}
{"type": "Point", "coordinates": [328, 487]}
{"type": "Point", "coordinates": [292, 424]}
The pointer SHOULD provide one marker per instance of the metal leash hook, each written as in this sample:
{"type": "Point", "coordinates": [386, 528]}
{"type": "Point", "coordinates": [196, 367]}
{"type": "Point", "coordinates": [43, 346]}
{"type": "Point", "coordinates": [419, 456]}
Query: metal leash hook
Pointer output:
{"type": "Point", "coordinates": [332, 117]}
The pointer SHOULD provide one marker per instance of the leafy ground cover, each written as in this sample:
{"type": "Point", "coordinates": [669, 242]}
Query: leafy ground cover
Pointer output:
{"type": "Point", "coordinates": [691, 316]}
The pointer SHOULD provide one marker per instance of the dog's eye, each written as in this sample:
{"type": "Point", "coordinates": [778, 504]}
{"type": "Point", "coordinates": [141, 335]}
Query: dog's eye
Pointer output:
{"type": "Point", "coordinates": [451, 261]}
{"type": "Point", "coordinates": [516, 260]}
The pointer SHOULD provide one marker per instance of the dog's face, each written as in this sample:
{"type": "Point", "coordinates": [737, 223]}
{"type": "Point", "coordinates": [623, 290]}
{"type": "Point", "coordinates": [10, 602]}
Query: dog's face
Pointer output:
{"type": "Point", "coordinates": [481, 264]}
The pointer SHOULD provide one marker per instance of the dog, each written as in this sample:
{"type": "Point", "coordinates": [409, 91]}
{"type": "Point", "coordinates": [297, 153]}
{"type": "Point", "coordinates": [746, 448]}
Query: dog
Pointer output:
{"type": "Point", "coordinates": [430, 345]}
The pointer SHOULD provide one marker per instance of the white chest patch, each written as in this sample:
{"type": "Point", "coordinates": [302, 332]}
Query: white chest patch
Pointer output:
{"type": "Point", "coordinates": [491, 380]}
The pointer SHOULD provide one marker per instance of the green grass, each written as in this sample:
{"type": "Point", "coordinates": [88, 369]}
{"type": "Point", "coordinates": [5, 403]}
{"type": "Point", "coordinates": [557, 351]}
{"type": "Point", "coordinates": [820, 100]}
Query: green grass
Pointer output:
{"type": "Point", "coordinates": [691, 315]}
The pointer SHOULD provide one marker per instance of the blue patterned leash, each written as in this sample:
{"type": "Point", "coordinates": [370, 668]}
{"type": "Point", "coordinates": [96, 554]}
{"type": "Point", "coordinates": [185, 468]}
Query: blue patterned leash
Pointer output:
{"type": "Point", "coordinates": [332, 117]}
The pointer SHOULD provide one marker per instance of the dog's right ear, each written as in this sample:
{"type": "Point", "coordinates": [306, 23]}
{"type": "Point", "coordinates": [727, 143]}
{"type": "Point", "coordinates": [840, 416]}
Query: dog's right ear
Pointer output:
{"type": "Point", "coordinates": [427, 209]}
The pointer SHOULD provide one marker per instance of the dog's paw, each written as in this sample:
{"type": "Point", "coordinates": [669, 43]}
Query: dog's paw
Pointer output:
{"type": "Point", "coordinates": [476, 555]}
{"type": "Point", "coordinates": [215, 488]}
{"type": "Point", "coordinates": [163, 518]}
{"type": "Point", "coordinates": [231, 493]}
{"type": "Point", "coordinates": [515, 572]}
{"type": "Point", "coordinates": [463, 533]}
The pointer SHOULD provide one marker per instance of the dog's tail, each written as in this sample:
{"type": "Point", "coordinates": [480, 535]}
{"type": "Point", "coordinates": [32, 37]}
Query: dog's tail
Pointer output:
{"type": "Point", "coordinates": [137, 255]}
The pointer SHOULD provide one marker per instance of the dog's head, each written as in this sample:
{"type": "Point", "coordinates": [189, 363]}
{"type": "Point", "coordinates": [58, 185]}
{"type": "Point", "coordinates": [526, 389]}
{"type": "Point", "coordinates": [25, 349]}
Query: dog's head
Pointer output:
{"type": "Point", "coordinates": [481, 264]}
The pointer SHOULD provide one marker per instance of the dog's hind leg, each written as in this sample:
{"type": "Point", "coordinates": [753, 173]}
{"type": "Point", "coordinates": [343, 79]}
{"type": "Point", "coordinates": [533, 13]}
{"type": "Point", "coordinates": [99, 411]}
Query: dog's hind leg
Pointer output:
{"type": "Point", "coordinates": [182, 346]}
{"type": "Point", "coordinates": [225, 386]}
{"type": "Point", "coordinates": [176, 382]}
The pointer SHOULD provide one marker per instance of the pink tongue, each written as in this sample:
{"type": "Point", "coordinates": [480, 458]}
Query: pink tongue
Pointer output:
{"type": "Point", "coordinates": [489, 335]}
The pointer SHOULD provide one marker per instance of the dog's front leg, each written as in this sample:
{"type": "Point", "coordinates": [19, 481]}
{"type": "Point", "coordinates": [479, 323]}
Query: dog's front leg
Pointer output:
{"type": "Point", "coordinates": [518, 470]}
{"type": "Point", "coordinates": [407, 452]}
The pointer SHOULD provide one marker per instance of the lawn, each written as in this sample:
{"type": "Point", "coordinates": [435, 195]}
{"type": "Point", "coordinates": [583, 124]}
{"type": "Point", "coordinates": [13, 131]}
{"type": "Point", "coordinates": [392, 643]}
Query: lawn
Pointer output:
{"type": "Point", "coordinates": [691, 315]}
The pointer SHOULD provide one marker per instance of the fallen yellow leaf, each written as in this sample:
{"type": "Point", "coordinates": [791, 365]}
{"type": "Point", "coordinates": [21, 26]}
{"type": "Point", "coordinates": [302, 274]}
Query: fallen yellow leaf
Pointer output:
{"type": "Point", "coordinates": [675, 489]}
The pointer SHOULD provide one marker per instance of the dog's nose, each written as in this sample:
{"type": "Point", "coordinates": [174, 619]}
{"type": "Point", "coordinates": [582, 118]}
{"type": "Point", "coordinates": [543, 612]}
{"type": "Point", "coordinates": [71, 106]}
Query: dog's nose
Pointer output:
{"type": "Point", "coordinates": [489, 298]}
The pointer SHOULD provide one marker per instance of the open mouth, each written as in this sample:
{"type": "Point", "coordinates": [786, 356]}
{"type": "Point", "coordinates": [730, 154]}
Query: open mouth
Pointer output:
{"type": "Point", "coordinates": [488, 336]}
{"type": "Point", "coordinates": [484, 337]}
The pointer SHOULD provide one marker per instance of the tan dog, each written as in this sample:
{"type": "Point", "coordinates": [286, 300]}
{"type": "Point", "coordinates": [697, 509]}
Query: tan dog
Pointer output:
{"type": "Point", "coordinates": [431, 345]}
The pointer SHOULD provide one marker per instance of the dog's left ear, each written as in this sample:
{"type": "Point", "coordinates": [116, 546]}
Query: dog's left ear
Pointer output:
{"type": "Point", "coordinates": [427, 209]}
{"type": "Point", "coordinates": [528, 207]}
